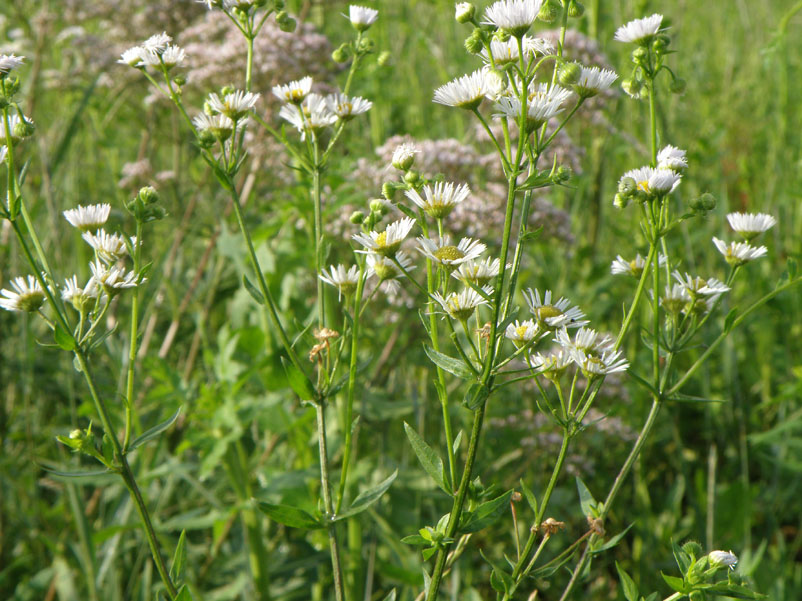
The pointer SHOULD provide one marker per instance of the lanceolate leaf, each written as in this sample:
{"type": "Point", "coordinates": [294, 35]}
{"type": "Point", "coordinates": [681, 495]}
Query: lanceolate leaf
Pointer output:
{"type": "Point", "coordinates": [368, 497]}
{"type": "Point", "coordinates": [429, 460]}
{"type": "Point", "coordinates": [449, 364]}
{"type": "Point", "coordinates": [154, 431]}
{"type": "Point", "coordinates": [486, 513]}
{"type": "Point", "coordinates": [290, 516]}
{"type": "Point", "coordinates": [179, 559]}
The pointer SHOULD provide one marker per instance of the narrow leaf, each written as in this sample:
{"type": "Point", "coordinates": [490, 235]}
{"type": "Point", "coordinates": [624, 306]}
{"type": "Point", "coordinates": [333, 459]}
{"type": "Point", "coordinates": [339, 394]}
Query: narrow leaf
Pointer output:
{"type": "Point", "coordinates": [613, 541]}
{"type": "Point", "coordinates": [390, 596]}
{"type": "Point", "coordinates": [253, 290]}
{"type": "Point", "coordinates": [486, 513]}
{"type": "Point", "coordinates": [63, 338]}
{"type": "Point", "coordinates": [449, 364]}
{"type": "Point", "coordinates": [290, 516]}
{"type": "Point", "coordinates": [179, 559]}
{"type": "Point", "coordinates": [730, 320]}
{"type": "Point", "coordinates": [530, 496]}
{"type": "Point", "coordinates": [184, 594]}
{"type": "Point", "coordinates": [586, 499]}
{"type": "Point", "coordinates": [368, 497]}
{"type": "Point", "coordinates": [298, 381]}
{"type": "Point", "coordinates": [429, 460]}
{"type": "Point", "coordinates": [154, 431]}
{"type": "Point", "coordinates": [629, 586]}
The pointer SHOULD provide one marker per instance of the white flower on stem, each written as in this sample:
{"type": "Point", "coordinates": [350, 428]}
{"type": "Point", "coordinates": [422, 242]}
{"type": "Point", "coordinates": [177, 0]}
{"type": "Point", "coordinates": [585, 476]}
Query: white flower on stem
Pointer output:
{"type": "Point", "coordinates": [404, 157]}
{"type": "Point", "coordinates": [505, 53]}
{"type": "Point", "coordinates": [80, 298]}
{"type": "Point", "coordinates": [750, 225]}
{"type": "Point", "coordinates": [739, 253]}
{"type": "Point", "coordinates": [593, 80]}
{"type": "Point", "coordinates": [522, 333]}
{"type": "Point", "coordinates": [478, 273]}
{"type": "Point", "coordinates": [344, 280]}
{"type": "Point", "coordinates": [553, 315]}
{"type": "Point", "coordinates": [294, 92]}
{"type": "Point", "coordinates": [362, 17]}
{"type": "Point", "coordinates": [173, 56]}
{"type": "Point", "coordinates": [112, 279]}
{"type": "Point", "coordinates": [110, 248]}
{"type": "Point", "coordinates": [552, 365]}
{"type": "Point", "coordinates": [465, 92]}
{"type": "Point", "coordinates": [135, 57]}
{"type": "Point", "coordinates": [675, 299]}
{"type": "Point", "coordinates": [157, 43]}
{"type": "Point", "coordinates": [461, 305]}
{"type": "Point", "coordinates": [696, 286]}
{"type": "Point", "coordinates": [586, 340]}
{"type": "Point", "coordinates": [463, 12]}
{"type": "Point", "coordinates": [311, 115]}
{"type": "Point", "coordinates": [606, 363]}
{"type": "Point", "coordinates": [19, 128]}
{"type": "Point", "coordinates": [220, 126]}
{"type": "Point", "coordinates": [543, 104]}
{"type": "Point", "coordinates": [27, 295]}
{"type": "Point", "coordinates": [440, 199]}
{"type": "Point", "coordinates": [347, 107]}
{"type": "Point", "coordinates": [671, 157]}
{"type": "Point", "coordinates": [723, 559]}
{"type": "Point", "coordinates": [386, 270]}
{"type": "Point", "coordinates": [234, 105]}
{"type": "Point", "coordinates": [88, 218]}
{"type": "Point", "coordinates": [450, 256]}
{"type": "Point", "coordinates": [639, 31]}
{"type": "Point", "coordinates": [654, 181]}
{"type": "Point", "coordinates": [386, 243]}
{"type": "Point", "coordinates": [9, 62]}
{"type": "Point", "coordinates": [514, 16]}
{"type": "Point", "coordinates": [634, 267]}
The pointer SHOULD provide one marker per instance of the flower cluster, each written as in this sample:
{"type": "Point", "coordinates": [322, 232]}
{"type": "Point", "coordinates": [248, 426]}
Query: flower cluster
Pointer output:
{"type": "Point", "coordinates": [157, 51]}
{"type": "Point", "coordinates": [749, 226]}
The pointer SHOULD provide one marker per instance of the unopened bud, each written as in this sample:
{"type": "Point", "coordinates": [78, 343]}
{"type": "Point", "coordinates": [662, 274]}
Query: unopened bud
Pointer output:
{"type": "Point", "coordinates": [660, 45]}
{"type": "Point", "coordinates": [620, 201]}
{"type": "Point", "coordinates": [569, 73]}
{"type": "Point", "coordinates": [377, 205]}
{"type": "Point", "coordinates": [384, 58]}
{"type": "Point", "coordinates": [550, 11]}
{"type": "Point", "coordinates": [366, 46]}
{"type": "Point", "coordinates": [341, 54]}
{"type": "Point", "coordinates": [285, 22]}
{"type": "Point", "coordinates": [562, 175]}
{"type": "Point", "coordinates": [149, 195]}
{"type": "Point", "coordinates": [357, 217]}
{"type": "Point", "coordinates": [640, 55]}
{"type": "Point", "coordinates": [576, 9]}
{"type": "Point", "coordinates": [278, 4]}
{"type": "Point", "coordinates": [412, 177]}
{"type": "Point", "coordinates": [206, 139]}
{"type": "Point", "coordinates": [179, 80]}
{"type": "Point", "coordinates": [705, 202]}
{"type": "Point", "coordinates": [388, 190]}
{"type": "Point", "coordinates": [23, 128]}
{"type": "Point", "coordinates": [473, 43]}
{"type": "Point", "coordinates": [464, 12]}
{"type": "Point", "coordinates": [677, 86]}
{"type": "Point", "coordinates": [632, 87]}
{"type": "Point", "coordinates": [627, 186]}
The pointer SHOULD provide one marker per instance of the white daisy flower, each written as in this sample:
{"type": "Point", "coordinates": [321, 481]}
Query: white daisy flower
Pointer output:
{"type": "Point", "coordinates": [586, 340]}
{"type": "Point", "coordinates": [313, 114]}
{"type": "Point", "coordinates": [220, 126]}
{"type": "Point", "coordinates": [675, 299]}
{"type": "Point", "coordinates": [362, 17]}
{"type": "Point", "coordinates": [606, 363]}
{"type": "Point", "coordinates": [157, 43]}
{"type": "Point", "coordinates": [552, 315]}
{"type": "Point", "coordinates": [593, 80]}
{"type": "Point", "coordinates": [671, 157]}
{"type": "Point", "coordinates": [750, 225]}
{"type": "Point", "coordinates": [723, 559]}
{"type": "Point", "coordinates": [173, 56]}
{"type": "Point", "coordinates": [543, 104]}
{"type": "Point", "coordinates": [739, 253]}
{"type": "Point", "coordinates": [634, 267]}
{"type": "Point", "coordinates": [478, 273]}
{"type": "Point", "coordinates": [235, 105]}
{"type": "Point", "coordinates": [27, 295]}
{"type": "Point", "coordinates": [112, 279]}
{"type": "Point", "coordinates": [515, 16]}
{"type": "Point", "coordinates": [110, 248]}
{"type": "Point", "coordinates": [135, 57]}
{"type": "Point", "coordinates": [345, 107]}
{"type": "Point", "coordinates": [553, 364]}
{"type": "Point", "coordinates": [19, 128]}
{"type": "Point", "coordinates": [404, 157]}
{"type": "Point", "coordinates": [9, 62]}
{"type": "Point", "coordinates": [295, 91]}
{"type": "Point", "coordinates": [522, 333]}
{"type": "Point", "coordinates": [440, 199]}
{"type": "Point", "coordinates": [639, 31]}
{"type": "Point", "coordinates": [696, 286]}
{"type": "Point", "coordinates": [386, 243]}
{"type": "Point", "coordinates": [448, 255]}
{"type": "Point", "coordinates": [654, 181]}
{"type": "Point", "coordinates": [461, 305]}
{"type": "Point", "coordinates": [465, 92]}
{"type": "Point", "coordinates": [505, 53]}
{"type": "Point", "coordinates": [80, 298]}
{"type": "Point", "coordinates": [344, 280]}
{"type": "Point", "coordinates": [88, 218]}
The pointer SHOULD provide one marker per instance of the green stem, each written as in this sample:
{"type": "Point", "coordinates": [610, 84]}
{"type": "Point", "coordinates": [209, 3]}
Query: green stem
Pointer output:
{"type": "Point", "coordinates": [317, 201]}
{"type": "Point", "coordinates": [638, 294]}
{"type": "Point", "coordinates": [129, 389]}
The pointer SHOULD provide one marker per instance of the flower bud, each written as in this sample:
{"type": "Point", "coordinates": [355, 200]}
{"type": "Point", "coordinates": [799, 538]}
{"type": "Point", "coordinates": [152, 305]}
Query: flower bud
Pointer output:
{"type": "Point", "coordinates": [550, 11]}
{"type": "Point", "coordinates": [705, 202]}
{"type": "Point", "coordinates": [640, 55]}
{"type": "Point", "coordinates": [627, 187]}
{"type": "Point", "coordinates": [4, 103]}
{"type": "Point", "coordinates": [341, 54]}
{"type": "Point", "coordinates": [502, 35]}
{"type": "Point", "coordinates": [179, 80]}
{"type": "Point", "coordinates": [225, 90]}
{"type": "Point", "coordinates": [378, 205]}
{"type": "Point", "coordinates": [206, 139]}
{"type": "Point", "coordinates": [632, 87]}
{"type": "Point", "coordinates": [285, 22]}
{"type": "Point", "coordinates": [473, 43]}
{"type": "Point", "coordinates": [412, 177]}
{"type": "Point", "coordinates": [357, 217]}
{"type": "Point", "coordinates": [149, 195]}
{"type": "Point", "coordinates": [562, 175]}
{"type": "Point", "coordinates": [464, 12]}
{"type": "Point", "coordinates": [677, 86]}
{"type": "Point", "coordinates": [660, 45]}
{"type": "Point", "coordinates": [569, 74]}
{"type": "Point", "coordinates": [278, 4]}
{"type": "Point", "coordinates": [388, 190]}
{"type": "Point", "coordinates": [620, 201]}
{"type": "Point", "coordinates": [366, 46]}
{"type": "Point", "coordinates": [23, 129]}
{"type": "Point", "coordinates": [576, 9]}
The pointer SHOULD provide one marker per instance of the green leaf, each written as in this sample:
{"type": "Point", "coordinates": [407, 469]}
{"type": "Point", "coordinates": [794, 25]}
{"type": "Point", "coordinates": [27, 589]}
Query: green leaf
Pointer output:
{"type": "Point", "coordinates": [415, 539]}
{"type": "Point", "coordinates": [475, 396]}
{"type": "Point", "coordinates": [429, 460]}
{"type": "Point", "coordinates": [629, 586]}
{"type": "Point", "coordinates": [679, 397]}
{"type": "Point", "coordinates": [253, 290]}
{"type": "Point", "coordinates": [682, 558]}
{"type": "Point", "coordinates": [500, 580]}
{"type": "Point", "coordinates": [586, 499]}
{"type": "Point", "coordinates": [678, 584]}
{"type": "Point", "coordinates": [298, 381]}
{"type": "Point", "coordinates": [390, 596]}
{"type": "Point", "coordinates": [84, 474]}
{"type": "Point", "coordinates": [540, 179]}
{"type": "Point", "coordinates": [184, 594]}
{"type": "Point", "coordinates": [532, 234]}
{"type": "Point", "coordinates": [427, 553]}
{"type": "Point", "coordinates": [290, 516]}
{"type": "Point", "coordinates": [734, 590]}
{"type": "Point", "coordinates": [179, 559]}
{"type": "Point", "coordinates": [154, 431]}
{"type": "Point", "coordinates": [449, 364]}
{"type": "Point", "coordinates": [530, 496]}
{"type": "Point", "coordinates": [791, 267]}
{"type": "Point", "coordinates": [222, 177]}
{"type": "Point", "coordinates": [613, 541]}
{"type": "Point", "coordinates": [730, 320]}
{"type": "Point", "coordinates": [486, 513]}
{"type": "Point", "coordinates": [368, 497]}
{"type": "Point", "coordinates": [63, 338]}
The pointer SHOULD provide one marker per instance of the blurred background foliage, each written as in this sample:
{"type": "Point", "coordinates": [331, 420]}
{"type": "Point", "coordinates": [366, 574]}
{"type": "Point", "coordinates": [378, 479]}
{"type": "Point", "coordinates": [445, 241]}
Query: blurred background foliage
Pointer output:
{"type": "Point", "coordinates": [724, 473]}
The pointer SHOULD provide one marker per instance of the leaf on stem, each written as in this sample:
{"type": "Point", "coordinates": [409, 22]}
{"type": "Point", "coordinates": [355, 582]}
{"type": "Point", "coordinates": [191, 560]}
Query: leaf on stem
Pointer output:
{"type": "Point", "coordinates": [184, 594]}
{"type": "Point", "coordinates": [290, 516]}
{"type": "Point", "coordinates": [613, 541]}
{"type": "Point", "coordinates": [253, 290]}
{"type": "Point", "coordinates": [530, 496]}
{"type": "Point", "coordinates": [298, 381]}
{"type": "Point", "coordinates": [430, 461]}
{"type": "Point", "coordinates": [586, 500]}
{"type": "Point", "coordinates": [449, 364]}
{"type": "Point", "coordinates": [475, 396]}
{"type": "Point", "coordinates": [154, 431]}
{"type": "Point", "coordinates": [627, 584]}
{"type": "Point", "coordinates": [678, 584]}
{"type": "Point", "coordinates": [63, 338]}
{"type": "Point", "coordinates": [390, 596]}
{"type": "Point", "coordinates": [179, 559]}
{"type": "Point", "coordinates": [485, 514]}
{"type": "Point", "coordinates": [367, 498]}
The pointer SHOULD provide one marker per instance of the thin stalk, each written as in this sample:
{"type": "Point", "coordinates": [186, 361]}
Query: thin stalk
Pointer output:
{"type": "Point", "coordinates": [317, 201]}
{"type": "Point", "coordinates": [132, 348]}
{"type": "Point", "coordinates": [638, 294]}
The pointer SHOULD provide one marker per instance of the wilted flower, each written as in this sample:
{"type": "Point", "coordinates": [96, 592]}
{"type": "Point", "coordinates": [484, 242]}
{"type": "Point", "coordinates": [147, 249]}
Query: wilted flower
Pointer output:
{"type": "Point", "coordinates": [27, 295]}
{"type": "Point", "coordinates": [88, 218]}
{"type": "Point", "coordinates": [157, 43]}
{"type": "Point", "coordinates": [739, 253]}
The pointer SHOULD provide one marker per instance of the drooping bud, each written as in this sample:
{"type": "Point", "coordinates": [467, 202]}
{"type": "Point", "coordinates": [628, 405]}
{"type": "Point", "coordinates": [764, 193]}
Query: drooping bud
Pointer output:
{"type": "Point", "coordinates": [464, 12]}
{"type": "Point", "coordinates": [569, 74]}
{"type": "Point", "coordinates": [550, 11]}
{"type": "Point", "coordinates": [677, 86]}
{"type": "Point", "coordinates": [576, 9]}
{"type": "Point", "coordinates": [473, 43]}
{"type": "Point", "coordinates": [357, 217]}
{"type": "Point", "coordinates": [388, 190]}
{"type": "Point", "coordinates": [341, 54]}
{"type": "Point", "coordinates": [285, 22]}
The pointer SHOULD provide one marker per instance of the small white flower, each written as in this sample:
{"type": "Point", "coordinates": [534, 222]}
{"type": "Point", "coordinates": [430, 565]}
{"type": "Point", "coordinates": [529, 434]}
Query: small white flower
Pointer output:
{"type": "Point", "coordinates": [634, 267]}
{"type": "Point", "coordinates": [440, 199]}
{"type": "Point", "coordinates": [478, 272]}
{"type": "Point", "coordinates": [675, 299]}
{"type": "Point", "coordinates": [386, 270]}
{"type": "Point", "coordinates": [639, 30]}
{"type": "Point", "coordinates": [552, 364]}
{"type": "Point", "coordinates": [448, 255]}
{"type": "Point", "coordinates": [311, 115]}
{"type": "Point", "coordinates": [515, 16]}
{"type": "Point", "coordinates": [112, 278]}
{"type": "Point", "coordinates": [522, 333]}
{"type": "Point", "coordinates": [220, 126]}
{"type": "Point", "coordinates": [654, 181]}
{"type": "Point", "coordinates": [552, 315]}
{"type": "Point", "coordinates": [157, 43]}
{"type": "Point", "coordinates": [80, 298]}
{"type": "Point", "coordinates": [750, 225]}
{"type": "Point", "coordinates": [362, 17]}
{"type": "Point", "coordinates": [586, 340]}
{"type": "Point", "coordinates": [9, 62]}
{"type": "Point", "coordinates": [463, 12]}
{"type": "Point", "coordinates": [542, 104]}
{"type": "Point", "coordinates": [295, 91]}
{"type": "Point", "coordinates": [723, 559]}
{"type": "Point", "coordinates": [696, 286]}
{"type": "Point", "coordinates": [606, 363]}
{"type": "Point", "coordinates": [172, 56]}
{"type": "Point", "coordinates": [110, 248]}
{"type": "Point", "coordinates": [404, 157]}
{"type": "Point", "coordinates": [27, 295]}
{"type": "Point", "coordinates": [465, 92]}
{"type": "Point", "coordinates": [504, 53]}
{"type": "Point", "coordinates": [386, 243]}
{"type": "Point", "coordinates": [135, 57]}
{"type": "Point", "coordinates": [739, 253]}
{"type": "Point", "coordinates": [594, 80]}
{"type": "Point", "coordinates": [88, 218]}
{"type": "Point", "coordinates": [235, 105]}
{"type": "Point", "coordinates": [345, 107]}
{"type": "Point", "coordinates": [461, 305]}
{"type": "Point", "coordinates": [671, 157]}
{"type": "Point", "coordinates": [344, 280]}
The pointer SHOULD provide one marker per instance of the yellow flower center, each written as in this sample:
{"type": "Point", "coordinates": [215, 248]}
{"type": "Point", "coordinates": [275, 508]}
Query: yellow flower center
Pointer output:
{"type": "Point", "coordinates": [547, 311]}
{"type": "Point", "coordinates": [449, 253]}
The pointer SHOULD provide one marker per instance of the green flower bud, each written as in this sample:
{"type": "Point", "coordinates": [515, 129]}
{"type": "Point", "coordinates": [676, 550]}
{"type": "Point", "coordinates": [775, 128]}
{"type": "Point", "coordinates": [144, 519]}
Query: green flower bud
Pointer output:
{"type": "Point", "coordinates": [149, 195]}
{"type": "Point", "coordinates": [23, 129]}
{"type": "Point", "coordinates": [627, 187]}
{"type": "Point", "coordinates": [464, 12]}
{"type": "Point", "coordinates": [660, 45]}
{"type": "Point", "coordinates": [632, 87]}
{"type": "Point", "coordinates": [388, 190]}
{"type": "Point", "coordinates": [502, 35]}
{"type": "Point", "coordinates": [576, 9]}
{"type": "Point", "coordinates": [377, 205]}
{"type": "Point", "coordinates": [278, 4]}
{"type": "Point", "coordinates": [702, 204]}
{"type": "Point", "coordinates": [227, 90]}
{"type": "Point", "coordinates": [4, 103]}
{"type": "Point", "coordinates": [550, 11]}
{"type": "Point", "coordinates": [677, 86]}
{"type": "Point", "coordinates": [620, 201]}
{"type": "Point", "coordinates": [384, 58]}
{"type": "Point", "coordinates": [473, 43]}
{"type": "Point", "coordinates": [12, 85]}
{"type": "Point", "coordinates": [640, 55]}
{"type": "Point", "coordinates": [562, 175]}
{"type": "Point", "coordinates": [367, 46]}
{"type": "Point", "coordinates": [412, 177]}
{"type": "Point", "coordinates": [206, 139]}
{"type": "Point", "coordinates": [357, 217]}
{"type": "Point", "coordinates": [376, 216]}
{"type": "Point", "coordinates": [569, 73]}
{"type": "Point", "coordinates": [341, 54]}
{"type": "Point", "coordinates": [285, 22]}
